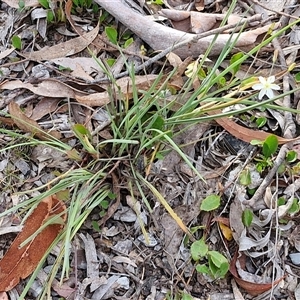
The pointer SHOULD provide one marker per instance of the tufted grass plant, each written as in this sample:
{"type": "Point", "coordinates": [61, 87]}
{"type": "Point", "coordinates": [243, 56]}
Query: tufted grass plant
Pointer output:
{"type": "Point", "coordinates": [143, 130]}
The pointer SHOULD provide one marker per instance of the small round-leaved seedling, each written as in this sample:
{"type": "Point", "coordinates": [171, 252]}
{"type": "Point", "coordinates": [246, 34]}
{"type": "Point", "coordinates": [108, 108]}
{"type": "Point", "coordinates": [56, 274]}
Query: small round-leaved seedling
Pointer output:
{"type": "Point", "coordinates": [261, 121]}
{"type": "Point", "coordinates": [270, 146]}
{"type": "Point", "coordinates": [291, 156]}
{"type": "Point", "coordinates": [235, 57]}
{"type": "Point", "coordinates": [218, 264]}
{"type": "Point", "coordinates": [16, 42]}
{"type": "Point", "coordinates": [112, 34]}
{"type": "Point", "coordinates": [245, 177]}
{"type": "Point", "coordinates": [247, 217]}
{"type": "Point", "coordinates": [210, 203]}
{"type": "Point", "coordinates": [198, 249]}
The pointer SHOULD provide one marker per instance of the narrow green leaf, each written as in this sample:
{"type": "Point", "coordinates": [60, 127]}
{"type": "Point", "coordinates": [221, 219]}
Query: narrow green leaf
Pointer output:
{"type": "Point", "coordinates": [89, 3]}
{"type": "Point", "coordinates": [210, 203]}
{"type": "Point", "coordinates": [45, 3]}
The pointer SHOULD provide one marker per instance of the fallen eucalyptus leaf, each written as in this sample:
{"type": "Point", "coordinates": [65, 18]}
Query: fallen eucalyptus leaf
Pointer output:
{"type": "Point", "coordinates": [20, 261]}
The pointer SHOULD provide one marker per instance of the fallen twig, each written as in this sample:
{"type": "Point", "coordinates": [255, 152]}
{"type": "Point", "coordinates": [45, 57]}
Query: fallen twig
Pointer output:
{"type": "Point", "coordinates": [191, 39]}
{"type": "Point", "coordinates": [256, 202]}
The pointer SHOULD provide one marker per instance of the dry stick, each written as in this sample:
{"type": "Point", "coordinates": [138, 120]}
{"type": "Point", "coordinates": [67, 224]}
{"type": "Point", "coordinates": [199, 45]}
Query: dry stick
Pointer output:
{"type": "Point", "coordinates": [289, 6]}
{"type": "Point", "coordinates": [181, 44]}
{"type": "Point", "coordinates": [274, 11]}
{"type": "Point", "coordinates": [289, 129]}
{"type": "Point", "coordinates": [246, 7]}
{"type": "Point", "coordinates": [256, 202]}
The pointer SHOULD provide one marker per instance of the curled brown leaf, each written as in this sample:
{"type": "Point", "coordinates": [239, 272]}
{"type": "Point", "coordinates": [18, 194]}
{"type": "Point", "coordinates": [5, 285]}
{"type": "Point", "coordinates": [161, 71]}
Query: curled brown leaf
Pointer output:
{"type": "Point", "coordinates": [28, 125]}
{"type": "Point", "coordinates": [252, 288]}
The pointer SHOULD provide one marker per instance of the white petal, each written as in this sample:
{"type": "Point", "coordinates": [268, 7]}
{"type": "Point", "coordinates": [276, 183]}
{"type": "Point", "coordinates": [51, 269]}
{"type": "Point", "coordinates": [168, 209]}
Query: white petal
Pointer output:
{"type": "Point", "coordinates": [261, 93]}
{"type": "Point", "coordinates": [270, 93]}
{"type": "Point", "coordinates": [257, 86]}
{"type": "Point", "coordinates": [262, 80]}
{"type": "Point", "coordinates": [271, 79]}
{"type": "Point", "coordinates": [275, 86]}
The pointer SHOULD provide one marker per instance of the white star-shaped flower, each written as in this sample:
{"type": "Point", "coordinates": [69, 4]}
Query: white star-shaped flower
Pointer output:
{"type": "Point", "coordinates": [266, 87]}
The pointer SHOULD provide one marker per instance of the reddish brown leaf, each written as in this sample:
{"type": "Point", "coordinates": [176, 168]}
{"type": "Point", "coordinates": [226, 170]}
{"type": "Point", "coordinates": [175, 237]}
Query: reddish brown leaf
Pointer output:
{"type": "Point", "coordinates": [20, 262]}
{"type": "Point", "coordinates": [246, 134]}
{"type": "Point", "coordinates": [7, 121]}
{"type": "Point", "coordinates": [252, 288]}
{"type": "Point", "coordinates": [28, 125]}
{"type": "Point", "coordinates": [68, 8]}
{"type": "Point", "coordinates": [222, 220]}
